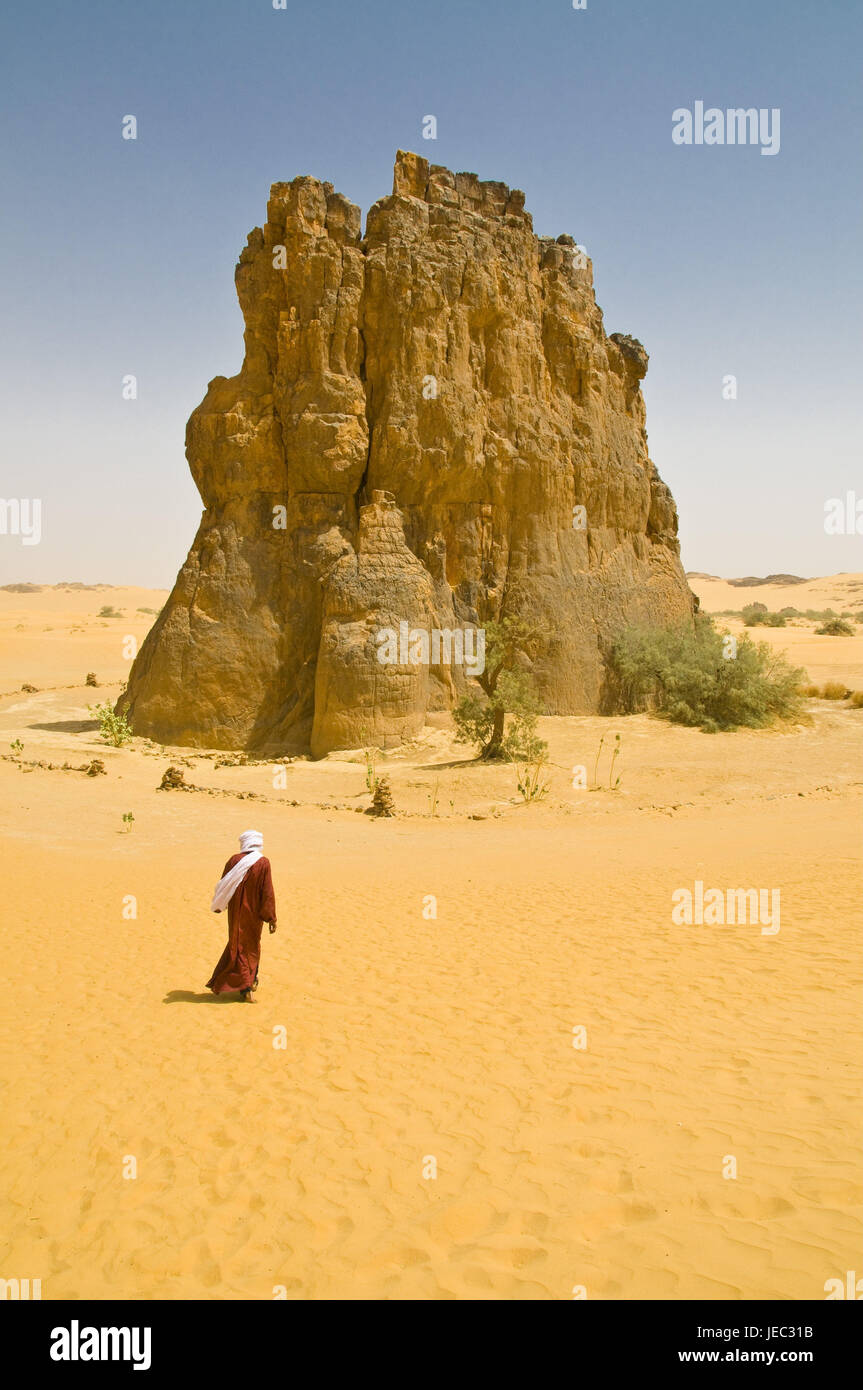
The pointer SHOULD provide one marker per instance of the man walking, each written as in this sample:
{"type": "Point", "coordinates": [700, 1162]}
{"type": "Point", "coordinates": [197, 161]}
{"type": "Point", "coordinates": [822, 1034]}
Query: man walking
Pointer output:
{"type": "Point", "coordinates": [246, 889]}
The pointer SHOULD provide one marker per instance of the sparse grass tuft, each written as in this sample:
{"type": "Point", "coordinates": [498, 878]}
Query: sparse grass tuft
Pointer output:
{"type": "Point", "coordinates": [834, 690]}
{"type": "Point", "coordinates": [528, 779]}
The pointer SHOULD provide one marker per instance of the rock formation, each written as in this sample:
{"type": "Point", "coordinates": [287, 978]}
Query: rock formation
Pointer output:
{"type": "Point", "coordinates": [430, 426]}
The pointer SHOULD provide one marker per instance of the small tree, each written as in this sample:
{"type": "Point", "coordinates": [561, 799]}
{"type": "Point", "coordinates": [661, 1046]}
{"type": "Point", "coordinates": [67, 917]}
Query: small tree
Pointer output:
{"type": "Point", "coordinates": [507, 689]}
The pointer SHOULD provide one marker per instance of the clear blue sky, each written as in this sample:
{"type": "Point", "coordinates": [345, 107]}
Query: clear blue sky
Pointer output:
{"type": "Point", "coordinates": [118, 256]}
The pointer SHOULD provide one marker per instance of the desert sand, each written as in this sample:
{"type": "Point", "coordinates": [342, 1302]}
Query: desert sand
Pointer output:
{"type": "Point", "coordinates": [414, 1041]}
{"type": "Point", "coordinates": [824, 658]}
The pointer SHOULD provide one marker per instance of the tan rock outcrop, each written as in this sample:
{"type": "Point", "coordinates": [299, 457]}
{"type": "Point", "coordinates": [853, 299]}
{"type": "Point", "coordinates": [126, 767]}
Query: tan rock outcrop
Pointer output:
{"type": "Point", "coordinates": [419, 413]}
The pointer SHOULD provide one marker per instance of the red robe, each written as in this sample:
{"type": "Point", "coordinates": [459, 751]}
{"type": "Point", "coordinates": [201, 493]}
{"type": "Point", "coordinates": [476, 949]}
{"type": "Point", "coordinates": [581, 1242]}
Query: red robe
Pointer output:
{"type": "Point", "coordinates": [252, 904]}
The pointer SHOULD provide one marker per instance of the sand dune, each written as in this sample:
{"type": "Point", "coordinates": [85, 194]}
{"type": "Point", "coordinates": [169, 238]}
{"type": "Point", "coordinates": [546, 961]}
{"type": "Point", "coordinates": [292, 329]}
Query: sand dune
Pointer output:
{"type": "Point", "coordinates": [839, 591]}
{"type": "Point", "coordinates": [409, 1038]}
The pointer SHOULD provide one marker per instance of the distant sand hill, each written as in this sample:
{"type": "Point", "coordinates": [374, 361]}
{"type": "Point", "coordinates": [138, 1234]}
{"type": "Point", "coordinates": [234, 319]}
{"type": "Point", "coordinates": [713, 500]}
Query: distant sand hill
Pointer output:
{"type": "Point", "coordinates": [839, 591]}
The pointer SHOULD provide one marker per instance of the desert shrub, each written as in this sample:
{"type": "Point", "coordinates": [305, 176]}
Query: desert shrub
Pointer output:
{"type": "Point", "coordinates": [113, 728]}
{"type": "Point", "coordinates": [835, 627]}
{"type": "Point", "coordinates": [832, 690]}
{"type": "Point", "coordinates": [681, 674]}
{"type": "Point", "coordinates": [756, 615]}
{"type": "Point", "coordinates": [108, 611]}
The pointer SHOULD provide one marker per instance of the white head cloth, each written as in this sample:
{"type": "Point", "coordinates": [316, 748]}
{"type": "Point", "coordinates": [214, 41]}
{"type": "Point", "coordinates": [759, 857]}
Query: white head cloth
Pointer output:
{"type": "Point", "coordinates": [251, 845]}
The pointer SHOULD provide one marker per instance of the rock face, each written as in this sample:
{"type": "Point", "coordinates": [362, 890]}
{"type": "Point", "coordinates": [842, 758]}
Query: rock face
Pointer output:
{"type": "Point", "coordinates": [430, 426]}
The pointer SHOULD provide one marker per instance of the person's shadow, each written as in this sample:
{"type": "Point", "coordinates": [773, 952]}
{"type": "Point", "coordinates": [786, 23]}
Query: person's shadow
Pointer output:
{"type": "Point", "coordinates": [187, 996]}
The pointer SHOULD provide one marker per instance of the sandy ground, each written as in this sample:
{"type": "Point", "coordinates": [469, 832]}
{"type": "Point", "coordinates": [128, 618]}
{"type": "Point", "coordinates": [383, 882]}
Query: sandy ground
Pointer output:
{"type": "Point", "coordinates": [824, 658]}
{"type": "Point", "coordinates": [415, 1042]}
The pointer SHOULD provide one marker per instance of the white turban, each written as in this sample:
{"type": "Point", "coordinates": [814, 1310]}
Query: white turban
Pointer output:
{"type": "Point", "coordinates": [251, 845]}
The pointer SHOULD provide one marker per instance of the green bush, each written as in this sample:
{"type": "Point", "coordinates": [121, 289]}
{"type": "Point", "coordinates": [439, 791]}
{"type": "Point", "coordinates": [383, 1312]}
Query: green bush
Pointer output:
{"type": "Point", "coordinates": [756, 615]}
{"type": "Point", "coordinates": [113, 728]}
{"type": "Point", "coordinates": [835, 627]}
{"type": "Point", "coordinates": [681, 674]}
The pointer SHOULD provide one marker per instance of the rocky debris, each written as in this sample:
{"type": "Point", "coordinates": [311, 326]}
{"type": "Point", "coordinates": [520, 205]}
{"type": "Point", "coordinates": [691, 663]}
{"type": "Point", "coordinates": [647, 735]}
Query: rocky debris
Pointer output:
{"type": "Point", "coordinates": [420, 414]}
{"type": "Point", "coordinates": [27, 689]}
{"type": "Point", "coordinates": [173, 779]}
{"type": "Point", "coordinates": [382, 801]}
{"type": "Point", "coordinates": [94, 768]}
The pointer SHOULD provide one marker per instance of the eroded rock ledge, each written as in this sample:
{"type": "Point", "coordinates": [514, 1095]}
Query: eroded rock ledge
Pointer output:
{"type": "Point", "coordinates": [419, 412]}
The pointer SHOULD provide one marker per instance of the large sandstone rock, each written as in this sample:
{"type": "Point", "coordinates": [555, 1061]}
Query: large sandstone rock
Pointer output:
{"type": "Point", "coordinates": [418, 414]}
